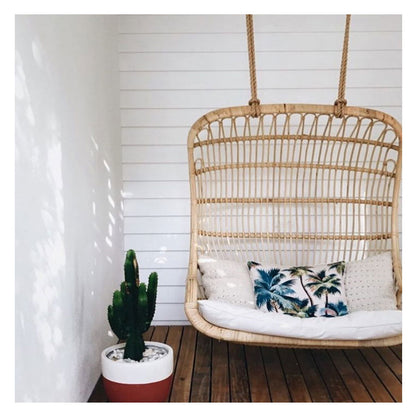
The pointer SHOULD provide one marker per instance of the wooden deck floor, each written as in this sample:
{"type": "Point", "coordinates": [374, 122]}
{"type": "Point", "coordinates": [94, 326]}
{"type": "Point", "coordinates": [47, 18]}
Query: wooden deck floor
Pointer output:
{"type": "Point", "coordinates": [207, 370]}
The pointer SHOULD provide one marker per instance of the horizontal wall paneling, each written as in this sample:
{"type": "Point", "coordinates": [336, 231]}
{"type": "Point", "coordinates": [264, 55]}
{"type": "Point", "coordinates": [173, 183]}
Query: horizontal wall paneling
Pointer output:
{"type": "Point", "coordinates": [175, 68]}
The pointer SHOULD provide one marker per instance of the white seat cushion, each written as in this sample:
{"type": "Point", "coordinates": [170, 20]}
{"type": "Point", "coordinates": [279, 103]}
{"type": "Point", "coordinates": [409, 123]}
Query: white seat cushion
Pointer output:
{"type": "Point", "coordinates": [358, 325]}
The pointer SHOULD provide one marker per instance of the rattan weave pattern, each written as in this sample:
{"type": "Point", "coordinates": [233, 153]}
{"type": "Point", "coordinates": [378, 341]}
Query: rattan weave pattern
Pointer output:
{"type": "Point", "coordinates": [295, 186]}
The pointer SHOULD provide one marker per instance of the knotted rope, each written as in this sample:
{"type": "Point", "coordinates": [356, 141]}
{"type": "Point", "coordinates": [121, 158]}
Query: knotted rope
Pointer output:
{"type": "Point", "coordinates": [341, 102]}
{"type": "Point", "coordinates": [254, 102]}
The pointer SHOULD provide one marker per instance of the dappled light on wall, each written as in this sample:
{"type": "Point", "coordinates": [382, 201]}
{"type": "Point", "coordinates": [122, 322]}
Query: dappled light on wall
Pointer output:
{"type": "Point", "coordinates": [68, 212]}
{"type": "Point", "coordinates": [38, 163]}
{"type": "Point", "coordinates": [40, 227]}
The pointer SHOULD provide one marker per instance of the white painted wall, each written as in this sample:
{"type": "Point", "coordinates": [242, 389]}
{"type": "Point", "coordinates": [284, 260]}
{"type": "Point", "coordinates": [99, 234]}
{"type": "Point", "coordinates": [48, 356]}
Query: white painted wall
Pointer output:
{"type": "Point", "coordinates": [68, 203]}
{"type": "Point", "coordinates": [175, 68]}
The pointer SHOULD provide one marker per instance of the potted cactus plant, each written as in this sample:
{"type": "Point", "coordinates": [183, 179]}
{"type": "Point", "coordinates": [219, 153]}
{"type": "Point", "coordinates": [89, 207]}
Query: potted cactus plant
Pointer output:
{"type": "Point", "coordinates": [135, 370]}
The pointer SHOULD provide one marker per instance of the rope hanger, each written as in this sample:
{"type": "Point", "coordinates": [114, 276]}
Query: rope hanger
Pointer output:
{"type": "Point", "coordinates": [341, 102]}
{"type": "Point", "coordinates": [254, 103]}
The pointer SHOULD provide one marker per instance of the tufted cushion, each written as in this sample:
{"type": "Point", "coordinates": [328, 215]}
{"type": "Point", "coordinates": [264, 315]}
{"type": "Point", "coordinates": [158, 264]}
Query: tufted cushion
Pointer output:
{"type": "Point", "coordinates": [226, 281]}
{"type": "Point", "coordinates": [369, 284]}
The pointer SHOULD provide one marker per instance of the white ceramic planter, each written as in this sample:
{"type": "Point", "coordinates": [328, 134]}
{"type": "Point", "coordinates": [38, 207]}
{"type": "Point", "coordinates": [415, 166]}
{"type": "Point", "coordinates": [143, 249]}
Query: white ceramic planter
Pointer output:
{"type": "Point", "coordinates": [137, 381]}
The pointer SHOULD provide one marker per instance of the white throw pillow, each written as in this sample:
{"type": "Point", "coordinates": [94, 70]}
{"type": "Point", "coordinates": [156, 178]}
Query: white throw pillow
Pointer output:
{"type": "Point", "coordinates": [369, 284]}
{"type": "Point", "coordinates": [226, 281]}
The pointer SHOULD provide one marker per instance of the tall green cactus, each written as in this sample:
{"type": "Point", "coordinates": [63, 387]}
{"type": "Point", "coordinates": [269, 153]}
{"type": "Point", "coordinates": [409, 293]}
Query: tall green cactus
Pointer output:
{"type": "Point", "coordinates": [133, 308]}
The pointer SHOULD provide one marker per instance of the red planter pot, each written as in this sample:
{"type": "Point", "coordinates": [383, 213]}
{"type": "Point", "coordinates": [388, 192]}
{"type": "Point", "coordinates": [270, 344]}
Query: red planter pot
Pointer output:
{"type": "Point", "coordinates": [137, 382]}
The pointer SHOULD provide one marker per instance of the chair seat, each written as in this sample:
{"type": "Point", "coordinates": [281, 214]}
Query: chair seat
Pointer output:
{"type": "Point", "coordinates": [359, 325]}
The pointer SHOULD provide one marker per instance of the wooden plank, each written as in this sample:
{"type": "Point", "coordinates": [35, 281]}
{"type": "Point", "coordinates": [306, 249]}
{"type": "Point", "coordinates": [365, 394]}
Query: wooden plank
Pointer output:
{"type": "Point", "coordinates": [235, 42]}
{"type": "Point", "coordinates": [156, 189]}
{"type": "Point", "coordinates": [316, 386]}
{"type": "Point", "coordinates": [239, 387]}
{"type": "Point", "coordinates": [220, 378]}
{"type": "Point", "coordinates": [147, 336]}
{"type": "Point", "coordinates": [294, 378]}
{"type": "Point", "coordinates": [205, 80]}
{"type": "Point", "coordinates": [376, 389]}
{"type": "Point", "coordinates": [259, 389]}
{"type": "Point", "coordinates": [174, 341]}
{"type": "Point", "coordinates": [397, 349]}
{"type": "Point", "coordinates": [391, 359]}
{"type": "Point", "coordinates": [162, 225]}
{"type": "Point", "coordinates": [158, 259]}
{"type": "Point", "coordinates": [138, 171]}
{"type": "Point", "coordinates": [237, 61]}
{"type": "Point", "coordinates": [232, 23]}
{"type": "Point", "coordinates": [355, 386]}
{"type": "Point", "coordinates": [211, 99]}
{"type": "Point", "coordinates": [336, 387]}
{"type": "Point", "coordinates": [275, 376]}
{"type": "Point", "coordinates": [170, 294]}
{"type": "Point", "coordinates": [178, 117]}
{"type": "Point", "coordinates": [153, 242]}
{"type": "Point", "coordinates": [169, 277]}
{"type": "Point", "coordinates": [201, 377]}
{"type": "Point", "coordinates": [159, 154]}
{"type": "Point", "coordinates": [384, 373]}
{"type": "Point", "coordinates": [181, 387]}
{"type": "Point", "coordinates": [152, 206]}
{"type": "Point", "coordinates": [98, 394]}
{"type": "Point", "coordinates": [155, 135]}
{"type": "Point", "coordinates": [160, 333]}
{"type": "Point", "coordinates": [169, 312]}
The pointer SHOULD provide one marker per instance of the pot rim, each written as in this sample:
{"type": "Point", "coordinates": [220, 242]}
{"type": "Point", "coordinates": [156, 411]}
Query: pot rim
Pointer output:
{"type": "Point", "coordinates": [147, 343]}
{"type": "Point", "coordinates": [136, 372]}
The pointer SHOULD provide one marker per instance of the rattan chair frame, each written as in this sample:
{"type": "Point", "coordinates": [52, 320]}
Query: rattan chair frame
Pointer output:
{"type": "Point", "coordinates": [293, 184]}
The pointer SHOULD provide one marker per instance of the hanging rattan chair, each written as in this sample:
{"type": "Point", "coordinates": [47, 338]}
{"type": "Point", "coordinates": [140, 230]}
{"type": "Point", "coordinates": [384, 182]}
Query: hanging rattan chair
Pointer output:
{"type": "Point", "coordinates": [293, 184]}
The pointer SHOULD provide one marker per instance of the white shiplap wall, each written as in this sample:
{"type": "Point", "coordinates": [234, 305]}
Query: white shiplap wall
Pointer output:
{"type": "Point", "coordinates": [175, 68]}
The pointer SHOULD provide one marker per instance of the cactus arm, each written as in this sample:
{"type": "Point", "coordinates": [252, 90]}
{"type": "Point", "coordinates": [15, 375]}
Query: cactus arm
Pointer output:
{"type": "Point", "coordinates": [130, 269]}
{"type": "Point", "coordinates": [142, 308]}
{"type": "Point", "coordinates": [151, 297]}
{"type": "Point", "coordinates": [113, 321]}
{"type": "Point", "coordinates": [116, 314]}
{"type": "Point", "coordinates": [131, 277]}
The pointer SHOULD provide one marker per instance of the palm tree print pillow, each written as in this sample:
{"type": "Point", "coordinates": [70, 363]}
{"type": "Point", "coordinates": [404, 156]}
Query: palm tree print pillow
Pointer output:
{"type": "Point", "coordinates": [301, 291]}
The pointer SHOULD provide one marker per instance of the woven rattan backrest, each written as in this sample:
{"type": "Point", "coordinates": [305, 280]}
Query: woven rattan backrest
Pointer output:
{"type": "Point", "coordinates": [295, 186]}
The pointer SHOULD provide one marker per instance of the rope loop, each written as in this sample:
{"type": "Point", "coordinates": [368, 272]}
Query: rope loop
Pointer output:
{"type": "Point", "coordinates": [254, 103]}
{"type": "Point", "coordinates": [339, 107]}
